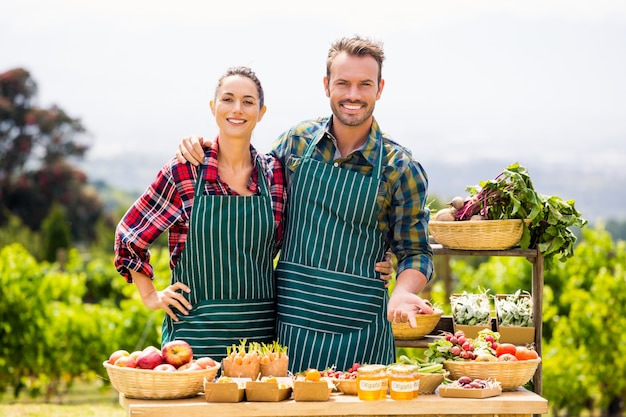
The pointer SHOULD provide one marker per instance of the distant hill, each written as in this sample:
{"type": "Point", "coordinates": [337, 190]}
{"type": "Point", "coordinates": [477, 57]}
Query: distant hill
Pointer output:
{"type": "Point", "coordinates": [597, 194]}
{"type": "Point", "coordinates": [598, 191]}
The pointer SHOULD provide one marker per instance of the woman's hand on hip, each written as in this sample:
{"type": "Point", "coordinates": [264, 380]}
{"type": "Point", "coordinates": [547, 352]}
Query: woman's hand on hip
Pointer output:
{"type": "Point", "coordinates": [169, 299]}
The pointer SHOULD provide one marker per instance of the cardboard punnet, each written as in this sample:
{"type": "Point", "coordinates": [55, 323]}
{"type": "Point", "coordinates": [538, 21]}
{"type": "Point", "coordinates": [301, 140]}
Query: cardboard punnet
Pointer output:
{"type": "Point", "coordinates": [516, 335]}
{"type": "Point", "coordinates": [458, 392]}
{"type": "Point", "coordinates": [312, 390]}
{"type": "Point", "coordinates": [269, 391]}
{"type": "Point", "coordinates": [225, 392]}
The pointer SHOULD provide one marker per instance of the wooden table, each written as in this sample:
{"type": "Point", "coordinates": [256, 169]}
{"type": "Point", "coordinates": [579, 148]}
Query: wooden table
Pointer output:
{"type": "Point", "coordinates": [515, 403]}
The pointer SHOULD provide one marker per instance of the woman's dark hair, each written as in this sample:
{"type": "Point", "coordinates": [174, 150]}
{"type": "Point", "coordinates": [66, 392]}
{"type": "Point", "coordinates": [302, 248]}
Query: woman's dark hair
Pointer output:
{"type": "Point", "coordinates": [243, 72]}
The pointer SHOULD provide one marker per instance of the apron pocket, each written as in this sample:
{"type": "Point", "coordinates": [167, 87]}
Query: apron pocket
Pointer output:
{"type": "Point", "coordinates": [327, 301]}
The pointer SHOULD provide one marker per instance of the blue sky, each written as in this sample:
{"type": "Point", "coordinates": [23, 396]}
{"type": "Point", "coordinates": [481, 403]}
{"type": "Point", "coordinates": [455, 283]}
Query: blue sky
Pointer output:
{"type": "Point", "coordinates": [542, 80]}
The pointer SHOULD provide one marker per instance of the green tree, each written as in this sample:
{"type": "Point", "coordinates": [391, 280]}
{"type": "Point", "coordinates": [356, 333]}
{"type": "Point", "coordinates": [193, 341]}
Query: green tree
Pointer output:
{"type": "Point", "coordinates": [35, 146]}
{"type": "Point", "coordinates": [56, 233]}
{"type": "Point", "coordinates": [27, 130]}
{"type": "Point", "coordinates": [51, 336]}
{"type": "Point", "coordinates": [584, 314]}
{"type": "Point", "coordinates": [584, 360]}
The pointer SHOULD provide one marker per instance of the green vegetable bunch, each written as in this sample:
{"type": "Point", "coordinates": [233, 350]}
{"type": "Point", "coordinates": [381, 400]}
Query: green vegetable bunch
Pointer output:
{"type": "Point", "coordinates": [470, 309]}
{"type": "Point", "coordinates": [515, 309]}
{"type": "Point", "coordinates": [511, 195]}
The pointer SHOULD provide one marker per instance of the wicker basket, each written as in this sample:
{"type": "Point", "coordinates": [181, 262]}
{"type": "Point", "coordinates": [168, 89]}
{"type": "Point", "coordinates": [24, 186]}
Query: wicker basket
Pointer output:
{"type": "Point", "coordinates": [478, 235]}
{"type": "Point", "coordinates": [158, 385]}
{"type": "Point", "coordinates": [346, 386]}
{"type": "Point", "coordinates": [430, 382]}
{"type": "Point", "coordinates": [425, 324]}
{"type": "Point", "coordinates": [510, 374]}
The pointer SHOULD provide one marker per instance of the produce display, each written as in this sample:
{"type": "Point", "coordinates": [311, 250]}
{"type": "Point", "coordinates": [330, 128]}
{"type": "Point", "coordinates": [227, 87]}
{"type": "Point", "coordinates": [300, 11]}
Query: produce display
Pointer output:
{"type": "Point", "coordinates": [394, 380]}
{"type": "Point", "coordinates": [511, 195]}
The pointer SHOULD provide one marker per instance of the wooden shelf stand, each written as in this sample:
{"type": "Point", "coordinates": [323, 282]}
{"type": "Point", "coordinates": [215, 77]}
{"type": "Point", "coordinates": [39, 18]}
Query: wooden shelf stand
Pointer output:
{"type": "Point", "coordinates": [445, 323]}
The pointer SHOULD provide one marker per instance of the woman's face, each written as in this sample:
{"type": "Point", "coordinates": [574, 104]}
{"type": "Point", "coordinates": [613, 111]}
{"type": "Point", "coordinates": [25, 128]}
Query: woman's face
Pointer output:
{"type": "Point", "coordinates": [236, 107]}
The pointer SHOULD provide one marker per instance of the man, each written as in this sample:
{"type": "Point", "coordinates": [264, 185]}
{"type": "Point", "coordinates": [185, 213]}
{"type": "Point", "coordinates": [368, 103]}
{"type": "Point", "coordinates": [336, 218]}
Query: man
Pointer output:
{"type": "Point", "coordinates": [353, 194]}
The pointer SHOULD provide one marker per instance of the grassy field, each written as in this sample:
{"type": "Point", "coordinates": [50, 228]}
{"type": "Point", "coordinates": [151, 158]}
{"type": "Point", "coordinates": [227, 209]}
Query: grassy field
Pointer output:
{"type": "Point", "coordinates": [85, 400]}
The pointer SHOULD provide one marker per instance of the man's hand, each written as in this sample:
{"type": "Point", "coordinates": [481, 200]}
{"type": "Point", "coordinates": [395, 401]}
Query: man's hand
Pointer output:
{"type": "Point", "coordinates": [385, 268]}
{"type": "Point", "coordinates": [404, 306]}
{"type": "Point", "coordinates": [404, 303]}
{"type": "Point", "coordinates": [191, 150]}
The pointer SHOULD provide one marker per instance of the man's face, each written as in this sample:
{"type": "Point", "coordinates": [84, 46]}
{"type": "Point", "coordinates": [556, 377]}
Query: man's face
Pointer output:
{"type": "Point", "coordinates": [353, 88]}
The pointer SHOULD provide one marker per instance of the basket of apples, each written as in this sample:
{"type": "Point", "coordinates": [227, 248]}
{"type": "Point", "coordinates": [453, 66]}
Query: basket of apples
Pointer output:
{"type": "Point", "coordinates": [167, 373]}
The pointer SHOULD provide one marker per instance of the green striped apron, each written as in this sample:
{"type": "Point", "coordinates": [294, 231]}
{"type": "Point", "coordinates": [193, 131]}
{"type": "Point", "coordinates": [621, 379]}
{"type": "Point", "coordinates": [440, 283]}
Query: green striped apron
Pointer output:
{"type": "Point", "coordinates": [331, 304]}
{"type": "Point", "coordinates": [227, 263]}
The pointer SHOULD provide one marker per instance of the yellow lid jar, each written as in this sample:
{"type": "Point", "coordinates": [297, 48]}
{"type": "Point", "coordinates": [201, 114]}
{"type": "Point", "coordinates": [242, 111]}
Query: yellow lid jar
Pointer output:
{"type": "Point", "coordinates": [402, 382]}
{"type": "Point", "coordinates": [369, 381]}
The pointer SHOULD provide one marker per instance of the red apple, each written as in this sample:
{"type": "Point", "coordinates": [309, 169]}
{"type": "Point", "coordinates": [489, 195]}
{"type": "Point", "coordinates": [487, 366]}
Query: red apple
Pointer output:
{"type": "Point", "coordinates": [190, 366]}
{"type": "Point", "coordinates": [206, 362]}
{"type": "Point", "coordinates": [165, 367]}
{"type": "Point", "coordinates": [135, 354]}
{"type": "Point", "coordinates": [149, 348]}
{"type": "Point", "coordinates": [117, 354]}
{"type": "Point", "coordinates": [126, 360]}
{"type": "Point", "coordinates": [177, 353]}
{"type": "Point", "coordinates": [149, 359]}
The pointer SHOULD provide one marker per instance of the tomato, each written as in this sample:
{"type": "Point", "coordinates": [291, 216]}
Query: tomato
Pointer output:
{"type": "Point", "coordinates": [506, 348]}
{"type": "Point", "coordinates": [524, 353]}
{"type": "Point", "coordinates": [312, 375]}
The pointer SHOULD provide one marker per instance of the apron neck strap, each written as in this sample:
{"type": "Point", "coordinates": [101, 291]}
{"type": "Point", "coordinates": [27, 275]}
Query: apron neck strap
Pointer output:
{"type": "Point", "coordinates": [261, 178]}
{"type": "Point", "coordinates": [379, 160]}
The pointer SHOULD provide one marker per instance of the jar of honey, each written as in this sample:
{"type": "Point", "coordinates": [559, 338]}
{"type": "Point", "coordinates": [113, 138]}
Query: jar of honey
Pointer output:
{"type": "Point", "coordinates": [369, 381]}
{"type": "Point", "coordinates": [402, 382]}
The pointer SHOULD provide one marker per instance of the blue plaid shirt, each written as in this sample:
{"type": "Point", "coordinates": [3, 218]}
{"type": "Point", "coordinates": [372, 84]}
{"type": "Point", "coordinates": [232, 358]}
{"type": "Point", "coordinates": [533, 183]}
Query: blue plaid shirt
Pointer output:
{"type": "Point", "coordinates": [403, 215]}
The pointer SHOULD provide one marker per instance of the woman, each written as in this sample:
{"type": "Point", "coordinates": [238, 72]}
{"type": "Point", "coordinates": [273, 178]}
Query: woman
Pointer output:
{"type": "Point", "coordinates": [225, 227]}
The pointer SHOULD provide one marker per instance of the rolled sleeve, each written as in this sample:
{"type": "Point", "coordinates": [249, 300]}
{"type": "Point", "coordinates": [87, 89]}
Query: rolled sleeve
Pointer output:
{"type": "Point", "coordinates": [154, 212]}
{"type": "Point", "coordinates": [409, 218]}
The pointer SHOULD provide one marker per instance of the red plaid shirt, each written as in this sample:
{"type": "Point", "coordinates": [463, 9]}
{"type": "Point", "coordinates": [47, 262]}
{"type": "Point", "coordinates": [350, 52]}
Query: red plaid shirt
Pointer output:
{"type": "Point", "coordinates": [166, 205]}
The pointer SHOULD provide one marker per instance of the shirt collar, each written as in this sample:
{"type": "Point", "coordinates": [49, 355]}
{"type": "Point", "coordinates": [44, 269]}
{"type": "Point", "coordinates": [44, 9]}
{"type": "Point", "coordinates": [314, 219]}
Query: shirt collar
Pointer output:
{"type": "Point", "coordinates": [210, 160]}
{"type": "Point", "coordinates": [370, 149]}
